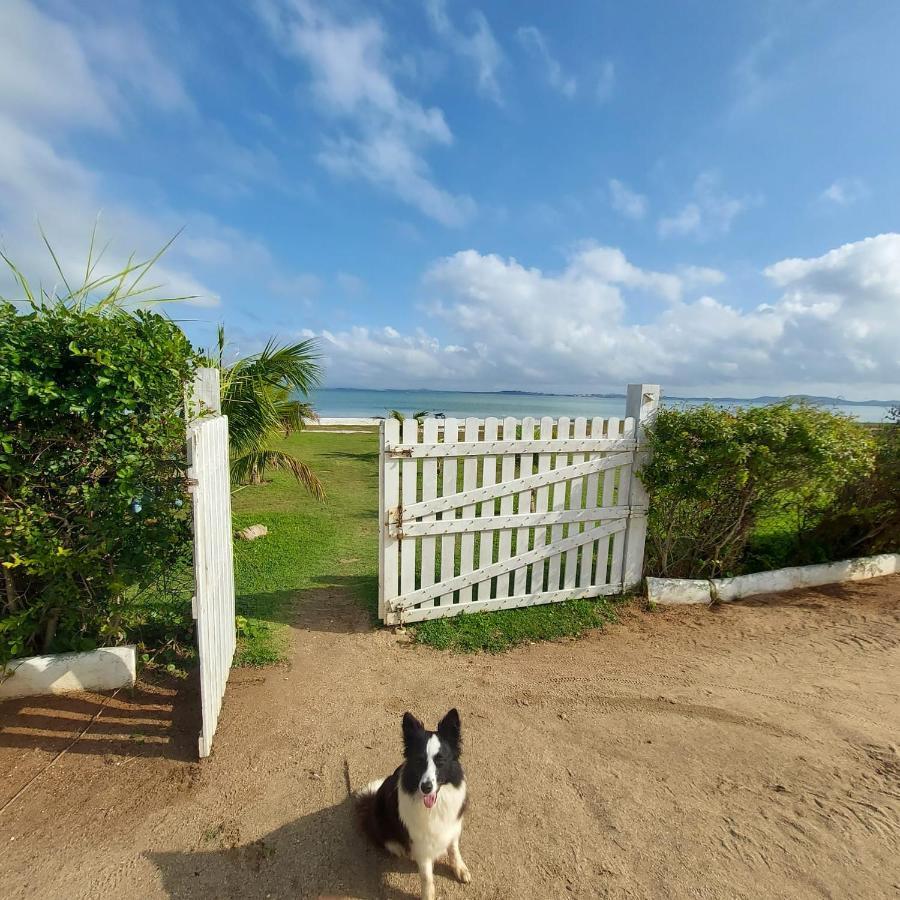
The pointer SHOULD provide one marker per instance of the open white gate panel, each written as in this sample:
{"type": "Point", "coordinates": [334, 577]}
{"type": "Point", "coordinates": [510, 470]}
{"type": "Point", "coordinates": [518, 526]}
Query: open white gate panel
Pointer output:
{"type": "Point", "coordinates": [208, 459]}
{"type": "Point", "coordinates": [490, 514]}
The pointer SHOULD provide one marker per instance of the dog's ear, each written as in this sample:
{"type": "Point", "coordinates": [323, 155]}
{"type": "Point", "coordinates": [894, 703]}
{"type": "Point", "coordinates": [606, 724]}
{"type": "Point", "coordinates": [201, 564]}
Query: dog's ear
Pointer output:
{"type": "Point", "coordinates": [450, 730]}
{"type": "Point", "coordinates": [412, 727]}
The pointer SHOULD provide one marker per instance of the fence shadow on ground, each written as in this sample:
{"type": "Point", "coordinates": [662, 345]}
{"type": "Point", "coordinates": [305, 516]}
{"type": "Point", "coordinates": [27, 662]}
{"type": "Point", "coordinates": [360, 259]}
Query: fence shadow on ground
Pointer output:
{"type": "Point", "coordinates": [153, 720]}
{"type": "Point", "coordinates": [805, 597]}
{"type": "Point", "coordinates": [344, 604]}
{"type": "Point", "coordinates": [363, 456]}
{"type": "Point", "coordinates": [320, 855]}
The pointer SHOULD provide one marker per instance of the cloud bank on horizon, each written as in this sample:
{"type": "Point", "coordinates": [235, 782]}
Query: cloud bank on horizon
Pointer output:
{"type": "Point", "coordinates": [465, 196]}
{"type": "Point", "coordinates": [836, 322]}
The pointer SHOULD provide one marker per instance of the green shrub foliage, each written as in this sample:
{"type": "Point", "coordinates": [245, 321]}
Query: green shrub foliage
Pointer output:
{"type": "Point", "coordinates": [714, 472]}
{"type": "Point", "coordinates": [865, 515]}
{"type": "Point", "coordinates": [92, 448]}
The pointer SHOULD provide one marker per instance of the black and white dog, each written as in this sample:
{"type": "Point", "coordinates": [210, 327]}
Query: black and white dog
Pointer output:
{"type": "Point", "coordinates": [418, 811]}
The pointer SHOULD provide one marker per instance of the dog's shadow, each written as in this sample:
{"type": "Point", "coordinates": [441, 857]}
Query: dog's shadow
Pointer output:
{"type": "Point", "coordinates": [321, 856]}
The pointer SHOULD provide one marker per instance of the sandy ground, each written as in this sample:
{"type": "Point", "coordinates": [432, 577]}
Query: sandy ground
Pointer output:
{"type": "Point", "coordinates": [744, 751]}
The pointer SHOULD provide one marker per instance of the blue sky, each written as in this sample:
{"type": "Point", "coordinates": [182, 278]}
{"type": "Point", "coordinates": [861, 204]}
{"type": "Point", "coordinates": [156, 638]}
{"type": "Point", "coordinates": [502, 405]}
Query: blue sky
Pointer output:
{"type": "Point", "coordinates": [494, 196]}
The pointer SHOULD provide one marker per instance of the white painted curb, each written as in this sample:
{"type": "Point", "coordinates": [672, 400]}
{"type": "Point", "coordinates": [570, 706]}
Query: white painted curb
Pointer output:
{"type": "Point", "coordinates": [674, 591]}
{"type": "Point", "coordinates": [97, 670]}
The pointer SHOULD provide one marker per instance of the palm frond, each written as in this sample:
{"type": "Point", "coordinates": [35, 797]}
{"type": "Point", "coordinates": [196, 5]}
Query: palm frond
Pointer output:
{"type": "Point", "coordinates": [243, 466]}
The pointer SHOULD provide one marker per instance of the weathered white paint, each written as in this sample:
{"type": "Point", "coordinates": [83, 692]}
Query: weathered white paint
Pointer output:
{"type": "Point", "coordinates": [641, 405]}
{"type": "Point", "coordinates": [488, 447]}
{"type": "Point", "coordinates": [806, 576]}
{"type": "Point", "coordinates": [203, 395]}
{"type": "Point", "coordinates": [678, 591]}
{"type": "Point", "coordinates": [670, 591]}
{"type": "Point", "coordinates": [208, 460]}
{"type": "Point", "coordinates": [104, 669]}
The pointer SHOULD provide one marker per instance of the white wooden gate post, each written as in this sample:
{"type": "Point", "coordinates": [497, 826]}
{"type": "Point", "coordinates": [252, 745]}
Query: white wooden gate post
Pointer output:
{"type": "Point", "coordinates": [642, 403]}
{"type": "Point", "coordinates": [204, 396]}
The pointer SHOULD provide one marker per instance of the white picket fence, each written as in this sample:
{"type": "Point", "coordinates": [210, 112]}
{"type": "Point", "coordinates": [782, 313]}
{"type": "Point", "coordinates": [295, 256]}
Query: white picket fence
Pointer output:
{"type": "Point", "coordinates": [486, 514]}
{"type": "Point", "coordinates": [213, 604]}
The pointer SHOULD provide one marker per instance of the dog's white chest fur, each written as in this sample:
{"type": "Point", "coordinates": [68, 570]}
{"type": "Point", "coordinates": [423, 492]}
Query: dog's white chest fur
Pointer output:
{"type": "Point", "coordinates": [432, 831]}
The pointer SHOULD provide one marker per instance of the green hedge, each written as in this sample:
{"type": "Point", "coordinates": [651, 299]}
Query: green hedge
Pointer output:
{"type": "Point", "coordinates": [92, 447]}
{"type": "Point", "coordinates": [716, 475]}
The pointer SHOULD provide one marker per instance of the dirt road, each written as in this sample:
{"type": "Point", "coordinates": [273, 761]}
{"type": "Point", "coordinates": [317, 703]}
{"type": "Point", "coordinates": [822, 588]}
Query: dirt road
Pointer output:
{"type": "Point", "coordinates": [745, 751]}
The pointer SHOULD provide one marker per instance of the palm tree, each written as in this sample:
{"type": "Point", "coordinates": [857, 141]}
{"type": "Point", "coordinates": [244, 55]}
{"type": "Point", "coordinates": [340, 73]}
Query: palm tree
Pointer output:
{"type": "Point", "coordinates": [257, 398]}
{"type": "Point", "coordinates": [401, 418]}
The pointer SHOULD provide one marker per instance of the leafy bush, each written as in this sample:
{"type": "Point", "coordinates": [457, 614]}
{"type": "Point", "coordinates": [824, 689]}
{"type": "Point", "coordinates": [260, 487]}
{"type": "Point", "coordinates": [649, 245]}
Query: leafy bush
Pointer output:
{"type": "Point", "coordinates": [865, 515]}
{"type": "Point", "coordinates": [92, 447]}
{"type": "Point", "coordinates": [714, 472]}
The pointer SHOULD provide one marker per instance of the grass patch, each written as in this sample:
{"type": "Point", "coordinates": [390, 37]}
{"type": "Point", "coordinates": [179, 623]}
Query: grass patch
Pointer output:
{"type": "Point", "coordinates": [495, 632]}
{"type": "Point", "coordinates": [310, 546]}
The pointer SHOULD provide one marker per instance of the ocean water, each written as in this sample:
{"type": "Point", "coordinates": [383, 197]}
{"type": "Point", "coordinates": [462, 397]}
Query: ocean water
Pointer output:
{"type": "Point", "coordinates": [358, 403]}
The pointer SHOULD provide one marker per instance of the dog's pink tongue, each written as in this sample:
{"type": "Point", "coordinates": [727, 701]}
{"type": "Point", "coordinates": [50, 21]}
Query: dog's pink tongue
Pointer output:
{"type": "Point", "coordinates": [429, 800]}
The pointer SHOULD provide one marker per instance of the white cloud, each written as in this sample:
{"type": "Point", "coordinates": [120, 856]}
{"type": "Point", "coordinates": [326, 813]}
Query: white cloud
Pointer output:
{"type": "Point", "coordinates": [479, 47]}
{"type": "Point", "coordinates": [697, 276]}
{"type": "Point", "coordinates": [532, 39]}
{"type": "Point", "coordinates": [352, 81]}
{"type": "Point", "coordinates": [708, 214]}
{"type": "Point", "coordinates": [834, 329]}
{"type": "Point", "coordinates": [606, 83]}
{"type": "Point", "coordinates": [99, 75]}
{"type": "Point", "coordinates": [626, 201]}
{"type": "Point", "coordinates": [845, 191]}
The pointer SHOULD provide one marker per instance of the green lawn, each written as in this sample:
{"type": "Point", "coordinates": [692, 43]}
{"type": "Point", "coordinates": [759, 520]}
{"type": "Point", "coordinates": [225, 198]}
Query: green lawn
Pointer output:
{"type": "Point", "coordinates": [313, 545]}
{"type": "Point", "coordinates": [310, 545]}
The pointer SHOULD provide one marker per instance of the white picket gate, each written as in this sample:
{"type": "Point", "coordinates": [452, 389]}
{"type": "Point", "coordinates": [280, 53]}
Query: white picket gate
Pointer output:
{"type": "Point", "coordinates": [489, 514]}
{"type": "Point", "coordinates": [213, 603]}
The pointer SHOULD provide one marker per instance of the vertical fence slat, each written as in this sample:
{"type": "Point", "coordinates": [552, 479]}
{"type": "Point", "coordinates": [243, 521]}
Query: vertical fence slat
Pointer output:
{"type": "Point", "coordinates": [467, 541]}
{"type": "Point", "coordinates": [486, 540]}
{"type": "Point", "coordinates": [592, 492]}
{"type": "Point", "coordinates": [642, 404]}
{"type": "Point", "coordinates": [541, 502]}
{"type": "Point", "coordinates": [507, 473]}
{"type": "Point", "coordinates": [570, 560]}
{"type": "Point", "coordinates": [408, 486]}
{"type": "Point", "coordinates": [391, 578]}
{"type": "Point", "coordinates": [448, 486]}
{"type": "Point", "coordinates": [382, 518]}
{"type": "Point", "coordinates": [429, 492]}
{"type": "Point", "coordinates": [607, 498]}
{"type": "Point", "coordinates": [560, 490]}
{"type": "Point", "coordinates": [524, 500]}
{"type": "Point", "coordinates": [623, 481]}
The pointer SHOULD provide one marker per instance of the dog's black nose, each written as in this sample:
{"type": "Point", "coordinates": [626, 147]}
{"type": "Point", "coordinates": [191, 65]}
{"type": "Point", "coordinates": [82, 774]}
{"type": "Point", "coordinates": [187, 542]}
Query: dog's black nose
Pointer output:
{"type": "Point", "coordinates": [427, 786]}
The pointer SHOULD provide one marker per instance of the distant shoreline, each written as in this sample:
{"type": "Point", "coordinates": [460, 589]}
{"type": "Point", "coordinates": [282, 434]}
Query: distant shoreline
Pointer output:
{"type": "Point", "coordinates": [763, 399]}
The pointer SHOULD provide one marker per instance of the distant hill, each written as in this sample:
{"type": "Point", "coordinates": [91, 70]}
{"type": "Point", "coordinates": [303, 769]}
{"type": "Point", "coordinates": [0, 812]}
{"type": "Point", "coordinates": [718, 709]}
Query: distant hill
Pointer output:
{"type": "Point", "coordinates": [807, 398]}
